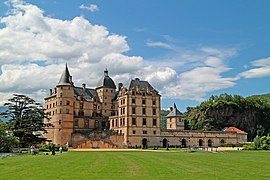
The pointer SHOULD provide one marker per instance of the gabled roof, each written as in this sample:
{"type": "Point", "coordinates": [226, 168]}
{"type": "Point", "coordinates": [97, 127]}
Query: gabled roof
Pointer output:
{"type": "Point", "coordinates": [234, 129]}
{"type": "Point", "coordinates": [106, 81]}
{"type": "Point", "coordinates": [141, 84]}
{"type": "Point", "coordinates": [85, 92]}
{"type": "Point", "coordinates": [174, 112]}
{"type": "Point", "coordinates": [65, 78]}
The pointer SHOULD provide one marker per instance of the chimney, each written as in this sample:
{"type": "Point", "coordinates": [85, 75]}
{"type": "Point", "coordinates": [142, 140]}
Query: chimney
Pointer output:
{"type": "Point", "coordinates": [120, 85]}
{"type": "Point", "coordinates": [50, 92]}
{"type": "Point", "coordinates": [171, 108]}
{"type": "Point", "coordinates": [83, 86]}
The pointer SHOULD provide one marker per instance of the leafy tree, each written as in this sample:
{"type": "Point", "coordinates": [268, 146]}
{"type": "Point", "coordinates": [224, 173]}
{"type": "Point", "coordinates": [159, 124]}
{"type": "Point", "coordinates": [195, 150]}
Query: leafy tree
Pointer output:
{"type": "Point", "coordinates": [26, 119]}
{"type": "Point", "coordinates": [7, 141]}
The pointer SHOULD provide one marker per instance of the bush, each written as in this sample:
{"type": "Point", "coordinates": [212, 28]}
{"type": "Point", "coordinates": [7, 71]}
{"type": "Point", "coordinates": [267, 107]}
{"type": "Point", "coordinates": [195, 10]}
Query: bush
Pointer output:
{"type": "Point", "coordinates": [50, 146]}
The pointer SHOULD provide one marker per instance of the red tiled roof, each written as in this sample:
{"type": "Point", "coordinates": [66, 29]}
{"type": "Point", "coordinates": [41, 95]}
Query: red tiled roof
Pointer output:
{"type": "Point", "coordinates": [234, 129]}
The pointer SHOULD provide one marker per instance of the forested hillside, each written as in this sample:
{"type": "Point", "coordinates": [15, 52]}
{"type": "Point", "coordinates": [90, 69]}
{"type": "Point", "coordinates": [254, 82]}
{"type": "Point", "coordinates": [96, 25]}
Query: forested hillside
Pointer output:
{"type": "Point", "coordinates": [251, 114]}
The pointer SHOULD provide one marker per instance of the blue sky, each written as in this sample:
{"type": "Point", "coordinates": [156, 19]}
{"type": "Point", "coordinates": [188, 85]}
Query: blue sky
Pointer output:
{"type": "Point", "coordinates": [188, 50]}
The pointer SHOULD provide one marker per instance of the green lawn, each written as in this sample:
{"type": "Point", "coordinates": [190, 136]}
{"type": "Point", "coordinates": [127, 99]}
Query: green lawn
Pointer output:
{"type": "Point", "coordinates": [139, 165]}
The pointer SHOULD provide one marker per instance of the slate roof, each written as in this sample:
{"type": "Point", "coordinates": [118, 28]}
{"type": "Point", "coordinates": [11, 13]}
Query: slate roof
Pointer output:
{"type": "Point", "coordinates": [106, 81]}
{"type": "Point", "coordinates": [175, 112]}
{"type": "Point", "coordinates": [65, 78]}
{"type": "Point", "coordinates": [141, 84]}
{"type": "Point", "coordinates": [87, 93]}
{"type": "Point", "coordinates": [234, 129]}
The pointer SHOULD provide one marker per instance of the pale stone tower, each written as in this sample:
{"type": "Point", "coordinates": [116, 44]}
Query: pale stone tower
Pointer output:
{"type": "Point", "coordinates": [175, 119]}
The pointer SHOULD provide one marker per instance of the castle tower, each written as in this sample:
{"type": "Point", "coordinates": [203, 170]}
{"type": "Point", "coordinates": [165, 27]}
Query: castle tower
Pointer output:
{"type": "Point", "coordinates": [59, 104]}
{"type": "Point", "coordinates": [175, 119]}
{"type": "Point", "coordinates": [106, 92]}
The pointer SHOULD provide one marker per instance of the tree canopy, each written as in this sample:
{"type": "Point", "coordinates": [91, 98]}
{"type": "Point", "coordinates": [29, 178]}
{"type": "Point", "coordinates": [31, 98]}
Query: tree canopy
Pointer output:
{"type": "Point", "coordinates": [26, 119]}
{"type": "Point", "coordinates": [231, 110]}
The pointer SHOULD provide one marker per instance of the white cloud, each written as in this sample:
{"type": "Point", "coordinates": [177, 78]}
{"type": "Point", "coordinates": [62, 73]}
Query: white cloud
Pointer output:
{"type": "Point", "coordinates": [196, 83]}
{"type": "Point", "coordinates": [91, 7]}
{"type": "Point", "coordinates": [159, 44]}
{"type": "Point", "coordinates": [262, 69]}
{"type": "Point", "coordinates": [34, 49]}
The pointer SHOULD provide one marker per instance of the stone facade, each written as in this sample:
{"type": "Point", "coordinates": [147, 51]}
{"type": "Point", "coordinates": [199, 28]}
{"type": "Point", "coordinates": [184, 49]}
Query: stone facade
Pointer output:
{"type": "Point", "coordinates": [110, 117]}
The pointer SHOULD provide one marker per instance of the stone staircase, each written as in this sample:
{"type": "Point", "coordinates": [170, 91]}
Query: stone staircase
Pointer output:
{"type": "Point", "coordinates": [98, 139]}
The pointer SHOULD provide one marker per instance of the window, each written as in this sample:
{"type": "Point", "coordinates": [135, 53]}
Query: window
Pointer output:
{"type": "Point", "coordinates": [61, 94]}
{"type": "Point", "coordinates": [154, 122]}
{"type": "Point", "coordinates": [154, 132]}
{"type": "Point", "coordinates": [133, 92]}
{"type": "Point", "coordinates": [67, 111]}
{"type": "Point", "coordinates": [143, 93]}
{"type": "Point", "coordinates": [133, 111]}
{"type": "Point", "coordinates": [133, 121]}
{"type": "Point", "coordinates": [170, 126]}
{"type": "Point", "coordinates": [154, 111]}
{"type": "Point", "coordinates": [68, 103]}
{"type": "Point", "coordinates": [143, 101]}
{"type": "Point", "coordinates": [133, 101]}
{"type": "Point", "coordinates": [134, 132]}
{"type": "Point", "coordinates": [60, 111]}
{"type": "Point", "coordinates": [50, 105]}
{"type": "Point", "coordinates": [124, 109]}
{"type": "Point", "coordinates": [60, 103]}
{"type": "Point", "coordinates": [60, 122]}
{"type": "Point", "coordinates": [144, 122]}
{"type": "Point", "coordinates": [154, 102]}
{"type": "Point", "coordinates": [76, 122]}
{"type": "Point", "coordinates": [47, 106]}
{"type": "Point", "coordinates": [112, 123]}
{"type": "Point", "coordinates": [123, 121]}
{"type": "Point", "coordinates": [144, 132]}
{"type": "Point", "coordinates": [143, 111]}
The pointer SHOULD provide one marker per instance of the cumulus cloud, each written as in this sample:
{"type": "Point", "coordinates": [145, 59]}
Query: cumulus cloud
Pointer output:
{"type": "Point", "coordinates": [34, 49]}
{"type": "Point", "coordinates": [91, 7]}
{"type": "Point", "coordinates": [262, 69]}
{"type": "Point", "coordinates": [196, 83]}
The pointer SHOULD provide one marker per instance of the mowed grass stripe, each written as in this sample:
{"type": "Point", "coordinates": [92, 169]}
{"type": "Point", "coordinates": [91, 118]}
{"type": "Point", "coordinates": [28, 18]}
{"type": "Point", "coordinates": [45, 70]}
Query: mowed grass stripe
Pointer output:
{"type": "Point", "coordinates": [139, 165]}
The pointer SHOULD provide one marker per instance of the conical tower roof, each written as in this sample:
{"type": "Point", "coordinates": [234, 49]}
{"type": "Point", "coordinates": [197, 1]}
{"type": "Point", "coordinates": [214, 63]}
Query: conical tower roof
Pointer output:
{"type": "Point", "coordinates": [65, 79]}
{"type": "Point", "coordinates": [174, 112]}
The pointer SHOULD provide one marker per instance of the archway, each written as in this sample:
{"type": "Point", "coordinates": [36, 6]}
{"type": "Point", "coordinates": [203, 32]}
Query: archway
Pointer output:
{"type": "Point", "coordinates": [209, 143]}
{"type": "Point", "coordinates": [165, 143]}
{"type": "Point", "coordinates": [222, 141]}
{"type": "Point", "coordinates": [184, 143]}
{"type": "Point", "coordinates": [144, 143]}
{"type": "Point", "coordinates": [200, 142]}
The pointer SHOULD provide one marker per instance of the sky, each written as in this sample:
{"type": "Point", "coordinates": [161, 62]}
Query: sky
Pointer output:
{"type": "Point", "coordinates": [186, 49]}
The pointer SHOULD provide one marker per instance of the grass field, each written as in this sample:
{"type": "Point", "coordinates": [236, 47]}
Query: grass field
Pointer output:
{"type": "Point", "coordinates": [139, 165]}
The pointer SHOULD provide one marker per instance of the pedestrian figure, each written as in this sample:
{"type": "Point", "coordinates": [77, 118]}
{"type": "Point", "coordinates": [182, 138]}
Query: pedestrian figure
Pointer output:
{"type": "Point", "coordinates": [60, 150]}
{"type": "Point", "coordinates": [32, 150]}
{"type": "Point", "coordinates": [53, 151]}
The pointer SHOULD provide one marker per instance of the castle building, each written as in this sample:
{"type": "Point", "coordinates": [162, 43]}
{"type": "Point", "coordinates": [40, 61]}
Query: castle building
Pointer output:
{"type": "Point", "coordinates": [123, 117]}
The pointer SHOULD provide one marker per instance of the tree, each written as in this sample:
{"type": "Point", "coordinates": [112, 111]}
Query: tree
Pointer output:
{"type": "Point", "coordinates": [26, 119]}
{"type": "Point", "coordinates": [7, 141]}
